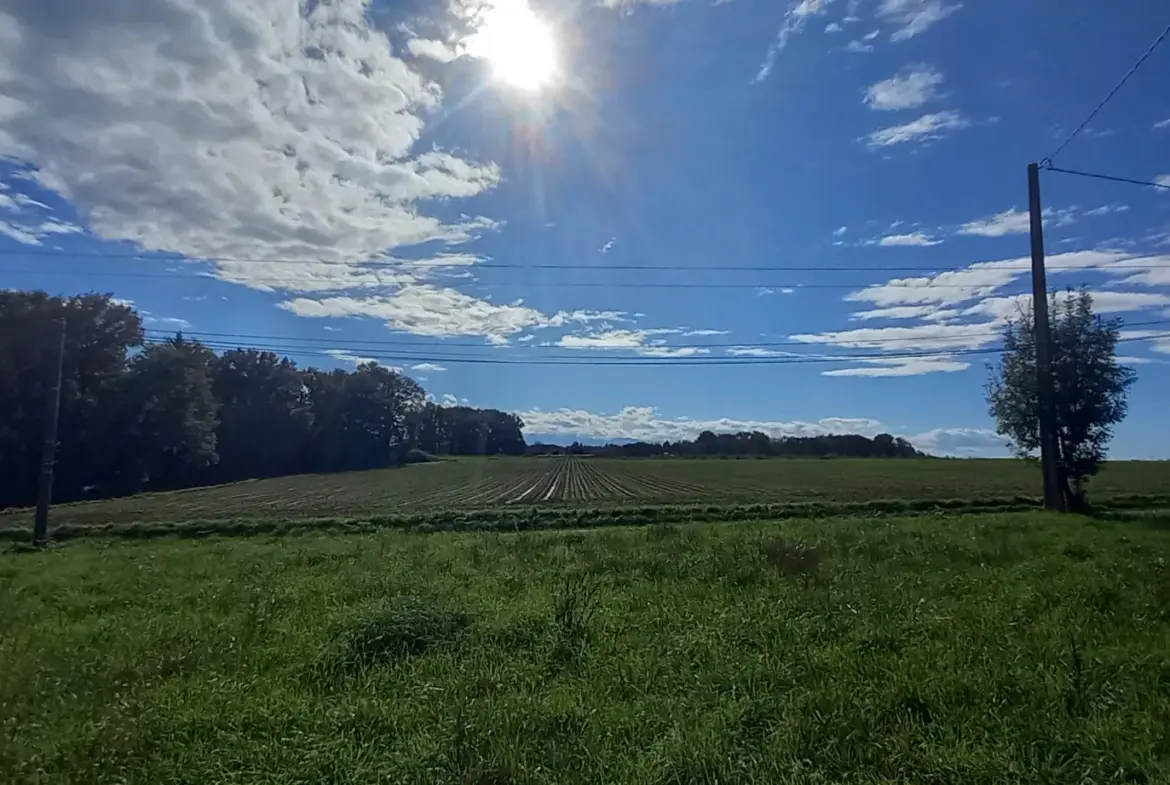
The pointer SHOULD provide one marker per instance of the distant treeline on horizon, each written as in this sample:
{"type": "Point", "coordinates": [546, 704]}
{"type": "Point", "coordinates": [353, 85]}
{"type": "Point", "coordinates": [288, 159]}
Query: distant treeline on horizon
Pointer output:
{"type": "Point", "coordinates": [139, 414]}
{"type": "Point", "coordinates": [748, 444]}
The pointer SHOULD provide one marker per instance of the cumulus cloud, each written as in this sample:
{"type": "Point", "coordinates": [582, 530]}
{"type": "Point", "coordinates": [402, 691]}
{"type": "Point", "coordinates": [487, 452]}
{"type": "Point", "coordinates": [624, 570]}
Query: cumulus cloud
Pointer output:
{"type": "Point", "coordinates": [642, 342]}
{"type": "Point", "coordinates": [645, 422]}
{"type": "Point", "coordinates": [232, 129]}
{"type": "Point", "coordinates": [898, 312]}
{"type": "Point", "coordinates": [893, 366]}
{"type": "Point", "coordinates": [427, 368]}
{"type": "Point", "coordinates": [925, 128]}
{"type": "Point", "coordinates": [429, 310]}
{"type": "Point", "coordinates": [911, 88]}
{"type": "Point", "coordinates": [914, 16]}
{"type": "Point", "coordinates": [648, 424]}
{"type": "Point", "coordinates": [913, 238]}
{"type": "Point", "coordinates": [1013, 221]}
{"type": "Point", "coordinates": [984, 279]}
{"type": "Point", "coordinates": [431, 49]}
{"type": "Point", "coordinates": [920, 337]}
{"type": "Point", "coordinates": [963, 442]}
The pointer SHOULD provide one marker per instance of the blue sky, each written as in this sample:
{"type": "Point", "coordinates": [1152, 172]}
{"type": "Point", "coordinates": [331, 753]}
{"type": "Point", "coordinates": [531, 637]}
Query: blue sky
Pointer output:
{"type": "Point", "coordinates": [455, 189]}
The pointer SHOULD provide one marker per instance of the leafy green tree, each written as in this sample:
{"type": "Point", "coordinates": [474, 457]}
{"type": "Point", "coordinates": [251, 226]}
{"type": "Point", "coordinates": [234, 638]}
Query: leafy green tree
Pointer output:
{"type": "Point", "coordinates": [1090, 389]}
{"type": "Point", "coordinates": [171, 415]}
{"type": "Point", "coordinates": [99, 335]}
{"type": "Point", "coordinates": [264, 415]}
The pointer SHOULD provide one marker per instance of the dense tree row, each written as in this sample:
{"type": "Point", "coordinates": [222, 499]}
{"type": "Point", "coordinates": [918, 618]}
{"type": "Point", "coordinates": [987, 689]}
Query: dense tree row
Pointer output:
{"type": "Point", "coordinates": [137, 415]}
{"type": "Point", "coordinates": [745, 443]}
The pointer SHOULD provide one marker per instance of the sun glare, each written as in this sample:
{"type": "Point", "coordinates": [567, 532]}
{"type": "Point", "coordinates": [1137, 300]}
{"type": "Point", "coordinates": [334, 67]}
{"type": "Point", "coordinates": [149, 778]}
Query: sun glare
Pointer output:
{"type": "Point", "coordinates": [519, 47]}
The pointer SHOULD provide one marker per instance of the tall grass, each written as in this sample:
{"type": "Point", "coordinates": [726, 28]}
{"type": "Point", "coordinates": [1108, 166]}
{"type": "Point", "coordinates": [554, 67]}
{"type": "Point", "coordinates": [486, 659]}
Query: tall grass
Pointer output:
{"type": "Point", "coordinates": [1000, 648]}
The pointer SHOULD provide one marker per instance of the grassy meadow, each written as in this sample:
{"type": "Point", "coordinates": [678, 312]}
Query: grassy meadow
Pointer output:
{"type": "Point", "coordinates": [1000, 648]}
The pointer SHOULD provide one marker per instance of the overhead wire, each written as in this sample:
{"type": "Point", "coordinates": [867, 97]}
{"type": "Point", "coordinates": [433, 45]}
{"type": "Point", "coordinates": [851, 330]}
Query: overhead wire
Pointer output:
{"type": "Point", "coordinates": [1111, 178]}
{"type": "Point", "coordinates": [361, 353]}
{"type": "Point", "coordinates": [1108, 97]}
{"type": "Point", "coordinates": [365, 345]}
{"type": "Point", "coordinates": [413, 266]}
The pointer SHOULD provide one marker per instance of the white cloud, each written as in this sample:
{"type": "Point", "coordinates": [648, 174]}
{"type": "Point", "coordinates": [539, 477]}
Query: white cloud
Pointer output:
{"type": "Point", "coordinates": [911, 88]}
{"type": "Point", "coordinates": [914, 16]}
{"type": "Point", "coordinates": [858, 48]}
{"type": "Point", "coordinates": [1162, 124]}
{"type": "Point", "coordinates": [345, 355]}
{"type": "Point", "coordinates": [1106, 209]}
{"type": "Point", "coordinates": [833, 27]}
{"type": "Point", "coordinates": [231, 129]}
{"type": "Point", "coordinates": [984, 279]}
{"type": "Point", "coordinates": [431, 49]}
{"type": "Point", "coordinates": [962, 442]}
{"type": "Point", "coordinates": [922, 337]}
{"type": "Point", "coordinates": [642, 342]}
{"type": "Point", "coordinates": [645, 422]}
{"type": "Point", "coordinates": [925, 128]}
{"type": "Point", "coordinates": [58, 227]}
{"type": "Point", "coordinates": [840, 231]}
{"type": "Point", "coordinates": [913, 238]}
{"type": "Point", "coordinates": [898, 312]}
{"type": "Point", "coordinates": [1163, 180]}
{"type": "Point", "coordinates": [429, 310]}
{"type": "Point", "coordinates": [1010, 221]}
{"type": "Point", "coordinates": [450, 400]}
{"type": "Point", "coordinates": [871, 35]}
{"type": "Point", "coordinates": [427, 368]}
{"type": "Point", "coordinates": [892, 366]}
{"type": "Point", "coordinates": [648, 424]}
{"type": "Point", "coordinates": [691, 333]}
{"type": "Point", "coordinates": [19, 233]}
{"type": "Point", "coordinates": [1104, 302]}
{"type": "Point", "coordinates": [1013, 221]}
{"type": "Point", "coordinates": [758, 351]}
{"type": "Point", "coordinates": [795, 19]}
{"type": "Point", "coordinates": [608, 245]}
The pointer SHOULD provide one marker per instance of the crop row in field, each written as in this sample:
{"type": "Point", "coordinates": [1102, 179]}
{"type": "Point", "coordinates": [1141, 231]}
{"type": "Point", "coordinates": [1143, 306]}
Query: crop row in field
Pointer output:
{"type": "Point", "coordinates": [565, 480]}
{"type": "Point", "coordinates": [455, 486]}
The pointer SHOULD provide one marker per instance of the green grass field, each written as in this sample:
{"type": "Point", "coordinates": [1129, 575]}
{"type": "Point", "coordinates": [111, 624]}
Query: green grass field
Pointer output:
{"type": "Point", "coordinates": [548, 487]}
{"type": "Point", "coordinates": [1008, 648]}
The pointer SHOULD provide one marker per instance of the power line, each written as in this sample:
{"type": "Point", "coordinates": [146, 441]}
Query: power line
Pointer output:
{"type": "Point", "coordinates": [529, 284]}
{"type": "Point", "coordinates": [410, 267]}
{"type": "Point", "coordinates": [685, 360]}
{"type": "Point", "coordinates": [629, 361]}
{"type": "Point", "coordinates": [366, 345]}
{"type": "Point", "coordinates": [1109, 177]}
{"type": "Point", "coordinates": [1107, 98]}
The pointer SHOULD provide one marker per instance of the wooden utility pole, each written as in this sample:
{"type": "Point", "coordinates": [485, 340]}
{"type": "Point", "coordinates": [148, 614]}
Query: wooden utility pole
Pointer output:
{"type": "Point", "coordinates": [49, 447]}
{"type": "Point", "coordinates": [1053, 498]}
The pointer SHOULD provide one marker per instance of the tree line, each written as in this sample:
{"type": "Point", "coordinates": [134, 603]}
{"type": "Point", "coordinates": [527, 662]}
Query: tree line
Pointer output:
{"type": "Point", "coordinates": [138, 415]}
{"type": "Point", "coordinates": [747, 444]}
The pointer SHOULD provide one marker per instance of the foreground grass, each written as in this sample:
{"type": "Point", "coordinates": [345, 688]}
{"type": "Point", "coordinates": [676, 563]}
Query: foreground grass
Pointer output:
{"type": "Point", "coordinates": [990, 649]}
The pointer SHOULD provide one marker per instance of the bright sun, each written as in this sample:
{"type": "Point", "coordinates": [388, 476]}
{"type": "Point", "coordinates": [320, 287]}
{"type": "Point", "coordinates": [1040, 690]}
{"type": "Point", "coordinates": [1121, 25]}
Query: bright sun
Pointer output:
{"type": "Point", "coordinates": [519, 47]}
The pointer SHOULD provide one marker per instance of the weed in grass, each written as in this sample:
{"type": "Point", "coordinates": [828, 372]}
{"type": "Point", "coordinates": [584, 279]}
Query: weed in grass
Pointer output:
{"type": "Point", "coordinates": [407, 627]}
{"type": "Point", "coordinates": [793, 560]}
{"type": "Point", "coordinates": [574, 607]}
